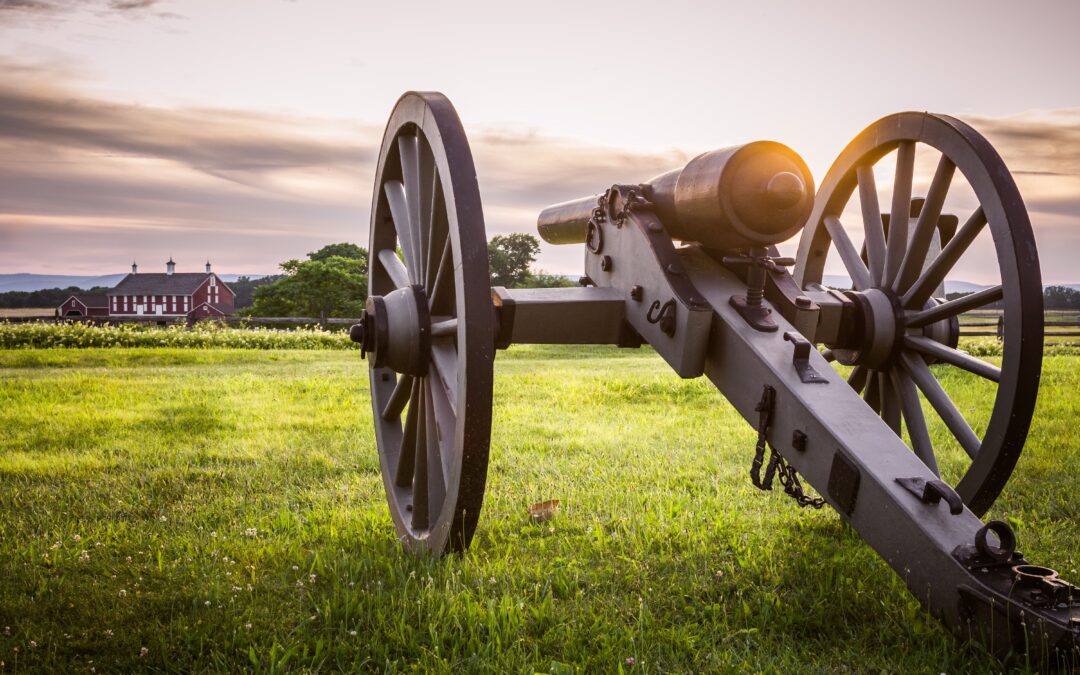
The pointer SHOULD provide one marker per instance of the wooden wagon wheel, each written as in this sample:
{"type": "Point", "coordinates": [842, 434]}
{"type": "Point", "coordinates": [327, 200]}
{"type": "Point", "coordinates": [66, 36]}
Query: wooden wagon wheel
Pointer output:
{"type": "Point", "coordinates": [899, 265]}
{"type": "Point", "coordinates": [428, 326]}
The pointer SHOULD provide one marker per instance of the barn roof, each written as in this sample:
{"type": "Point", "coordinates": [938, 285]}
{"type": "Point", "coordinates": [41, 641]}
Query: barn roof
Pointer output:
{"type": "Point", "coordinates": [92, 300]}
{"type": "Point", "coordinates": [159, 283]}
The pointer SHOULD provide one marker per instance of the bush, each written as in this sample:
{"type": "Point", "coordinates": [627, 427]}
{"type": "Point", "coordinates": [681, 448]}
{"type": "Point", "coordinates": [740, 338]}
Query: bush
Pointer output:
{"type": "Point", "coordinates": [204, 335]}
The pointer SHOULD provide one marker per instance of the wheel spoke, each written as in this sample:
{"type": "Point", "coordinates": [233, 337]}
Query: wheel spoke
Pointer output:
{"type": "Point", "coordinates": [926, 225]}
{"type": "Point", "coordinates": [444, 278]}
{"type": "Point", "coordinates": [398, 398]}
{"type": "Point", "coordinates": [394, 268]}
{"type": "Point", "coordinates": [954, 307]}
{"type": "Point", "coordinates": [399, 211]}
{"type": "Point", "coordinates": [445, 425]}
{"type": "Point", "coordinates": [940, 401]}
{"type": "Point", "coordinates": [860, 277]}
{"type": "Point", "coordinates": [427, 187]}
{"type": "Point", "coordinates": [438, 233]}
{"type": "Point", "coordinates": [871, 394]}
{"type": "Point", "coordinates": [444, 357]}
{"type": "Point", "coordinates": [934, 276]}
{"type": "Point", "coordinates": [444, 328]}
{"type": "Point", "coordinates": [952, 356]}
{"type": "Point", "coordinates": [403, 475]}
{"type": "Point", "coordinates": [874, 233]}
{"type": "Point", "coordinates": [914, 419]}
{"type": "Point", "coordinates": [435, 467]}
{"type": "Point", "coordinates": [857, 378]}
{"type": "Point", "coordinates": [420, 514]}
{"type": "Point", "coordinates": [890, 402]}
{"type": "Point", "coordinates": [901, 211]}
{"type": "Point", "coordinates": [409, 151]}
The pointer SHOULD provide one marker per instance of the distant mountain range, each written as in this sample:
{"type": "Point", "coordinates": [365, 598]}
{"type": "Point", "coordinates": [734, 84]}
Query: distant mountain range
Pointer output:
{"type": "Point", "coordinates": [36, 282]}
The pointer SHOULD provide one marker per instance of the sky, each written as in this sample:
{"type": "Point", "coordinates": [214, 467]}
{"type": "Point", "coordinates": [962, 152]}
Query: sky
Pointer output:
{"type": "Point", "coordinates": [247, 132]}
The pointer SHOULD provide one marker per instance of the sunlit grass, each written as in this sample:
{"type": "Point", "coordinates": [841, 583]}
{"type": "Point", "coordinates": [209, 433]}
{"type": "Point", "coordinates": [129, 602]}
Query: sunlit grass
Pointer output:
{"type": "Point", "coordinates": [223, 510]}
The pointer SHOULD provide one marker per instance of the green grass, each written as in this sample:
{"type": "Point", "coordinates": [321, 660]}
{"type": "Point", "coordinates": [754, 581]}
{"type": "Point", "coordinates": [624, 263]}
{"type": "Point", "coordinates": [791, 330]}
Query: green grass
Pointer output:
{"type": "Point", "coordinates": [223, 509]}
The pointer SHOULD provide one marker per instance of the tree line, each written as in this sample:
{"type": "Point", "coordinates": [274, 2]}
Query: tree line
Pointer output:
{"type": "Point", "coordinates": [332, 282]}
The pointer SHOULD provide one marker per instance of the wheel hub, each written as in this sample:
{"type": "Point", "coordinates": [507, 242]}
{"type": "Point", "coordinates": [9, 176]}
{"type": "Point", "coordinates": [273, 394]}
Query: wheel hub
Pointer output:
{"type": "Point", "coordinates": [396, 330]}
{"type": "Point", "coordinates": [883, 326]}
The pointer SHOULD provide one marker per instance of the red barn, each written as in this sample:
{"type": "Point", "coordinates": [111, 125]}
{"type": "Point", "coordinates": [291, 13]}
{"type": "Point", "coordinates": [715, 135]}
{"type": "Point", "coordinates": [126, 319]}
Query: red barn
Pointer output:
{"type": "Point", "coordinates": [172, 295]}
{"type": "Point", "coordinates": [85, 305]}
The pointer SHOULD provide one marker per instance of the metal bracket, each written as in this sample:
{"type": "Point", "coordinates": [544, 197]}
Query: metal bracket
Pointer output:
{"type": "Point", "coordinates": [801, 359]}
{"type": "Point", "coordinates": [758, 316]}
{"type": "Point", "coordinates": [933, 491]}
{"type": "Point", "coordinates": [665, 316]}
{"type": "Point", "coordinates": [843, 486]}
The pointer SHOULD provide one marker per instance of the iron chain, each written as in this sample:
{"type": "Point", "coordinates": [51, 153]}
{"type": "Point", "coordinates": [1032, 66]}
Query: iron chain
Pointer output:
{"type": "Point", "coordinates": [777, 465]}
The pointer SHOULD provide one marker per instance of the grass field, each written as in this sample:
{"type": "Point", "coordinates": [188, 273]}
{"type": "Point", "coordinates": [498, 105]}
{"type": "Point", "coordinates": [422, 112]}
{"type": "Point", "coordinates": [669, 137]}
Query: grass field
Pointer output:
{"type": "Point", "coordinates": [221, 510]}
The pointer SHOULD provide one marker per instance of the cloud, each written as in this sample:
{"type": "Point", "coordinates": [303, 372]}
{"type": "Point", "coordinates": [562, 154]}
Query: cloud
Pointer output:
{"type": "Point", "coordinates": [74, 168]}
{"type": "Point", "coordinates": [1037, 143]}
{"type": "Point", "coordinates": [87, 183]}
{"type": "Point", "coordinates": [53, 10]}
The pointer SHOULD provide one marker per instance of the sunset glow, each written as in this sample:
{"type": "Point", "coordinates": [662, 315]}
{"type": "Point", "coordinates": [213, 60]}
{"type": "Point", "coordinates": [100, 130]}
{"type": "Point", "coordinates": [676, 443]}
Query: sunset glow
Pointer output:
{"type": "Point", "coordinates": [248, 131]}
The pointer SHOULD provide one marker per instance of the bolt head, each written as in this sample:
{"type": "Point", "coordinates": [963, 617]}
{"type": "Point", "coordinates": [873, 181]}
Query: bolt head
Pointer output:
{"type": "Point", "coordinates": [802, 301]}
{"type": "Point", "coordinates": [356, 332]}
{"type": "Point", "coordinates": [605, 263]}
{"type": "Point", "coordinates": [636, 293]}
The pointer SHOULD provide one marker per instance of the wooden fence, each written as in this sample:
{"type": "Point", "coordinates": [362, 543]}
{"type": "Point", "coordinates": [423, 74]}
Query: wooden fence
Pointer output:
{"type": "Point", "coordinates": [999, 329]}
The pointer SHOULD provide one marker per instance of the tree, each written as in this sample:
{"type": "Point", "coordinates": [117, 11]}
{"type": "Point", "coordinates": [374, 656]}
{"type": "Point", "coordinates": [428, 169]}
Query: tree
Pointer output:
{"type": "Point", "coordinates": [509, 257]}
{"type": "Point", "coordinates": [541, 279]}
{"type": "Point", "coordinates": [244, 288]}
{"type": "Point", "coordinates": [342, 250]}
{"type": "Point", "coordinates": [46, 297]}
{"type": "Point", "coordinates": [1061, 297]}
{"type": "Point", "coordinates": [326, 284]}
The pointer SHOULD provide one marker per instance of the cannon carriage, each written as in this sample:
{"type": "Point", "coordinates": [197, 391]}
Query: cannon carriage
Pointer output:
{"type": "Point", "coordinates": [687, 263]}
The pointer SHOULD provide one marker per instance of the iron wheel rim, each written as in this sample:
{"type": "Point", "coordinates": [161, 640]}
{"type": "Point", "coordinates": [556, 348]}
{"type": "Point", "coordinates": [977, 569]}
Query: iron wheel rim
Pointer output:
{"type": "Point", "coordinates": [425, 145]}
{"type": "Point", "coordinates": [1017, 257]}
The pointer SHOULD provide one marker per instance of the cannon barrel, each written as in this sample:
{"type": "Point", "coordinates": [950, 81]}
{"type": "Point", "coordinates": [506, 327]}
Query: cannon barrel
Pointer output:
{"type": "Point", "coordinates": [747, 195]}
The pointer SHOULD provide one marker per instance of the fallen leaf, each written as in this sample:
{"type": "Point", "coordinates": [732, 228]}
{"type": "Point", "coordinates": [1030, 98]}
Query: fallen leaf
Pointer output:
{"type": "Point", "coordinates": [544, 511]}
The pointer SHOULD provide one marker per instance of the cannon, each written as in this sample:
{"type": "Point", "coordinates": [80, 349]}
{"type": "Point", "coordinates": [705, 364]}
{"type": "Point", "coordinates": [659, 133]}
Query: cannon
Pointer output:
{"type": "Point", "coordinates": [687, 262]}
